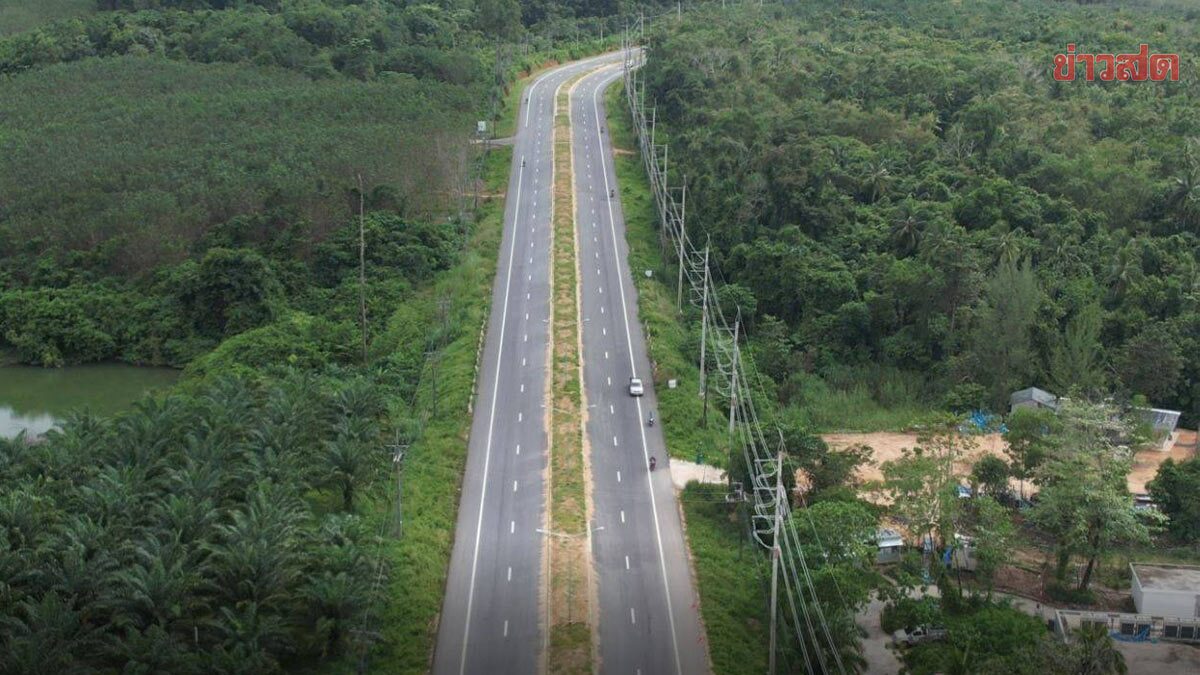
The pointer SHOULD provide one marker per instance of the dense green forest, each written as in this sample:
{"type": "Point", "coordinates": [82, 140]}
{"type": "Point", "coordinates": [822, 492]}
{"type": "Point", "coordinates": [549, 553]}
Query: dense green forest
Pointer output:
{"type": "Point", "coordinates": [189, 183]}
{"type": "Point", "coordinates": [912, 205]}
{"type": "Point", "coordinates": [186, 129]}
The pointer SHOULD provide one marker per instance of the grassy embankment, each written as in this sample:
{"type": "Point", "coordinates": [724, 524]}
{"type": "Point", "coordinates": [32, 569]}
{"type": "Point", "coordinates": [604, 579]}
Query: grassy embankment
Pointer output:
{"type": "Point", "coordinates": [420, 555]}
{"type": "Point", "coordinates": [729, 570]}
{"type": "Point", "coordinates": [22, 15]}
{"type": "Point", "coordinates": [570, 628]}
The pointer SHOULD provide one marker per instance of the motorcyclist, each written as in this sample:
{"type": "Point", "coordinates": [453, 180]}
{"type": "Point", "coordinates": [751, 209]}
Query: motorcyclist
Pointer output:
{"type": "Point", "coordinates": [522, 163]}
{"type": "Point", "coordinates": [651, 422]}
{"type": "Point", "coordinates": [611, 191]}
{"type": "Point", "coordinates": [652, 463]}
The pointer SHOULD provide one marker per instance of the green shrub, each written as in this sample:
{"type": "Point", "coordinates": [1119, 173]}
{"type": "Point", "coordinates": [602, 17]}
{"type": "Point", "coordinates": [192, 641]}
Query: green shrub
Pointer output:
{"type": "Point", "coordinates": [57, 326]}
{"type": "Point", "coordinates": [908, 613]}
{"type": "Point", "coordinates": [1068, 594]}
{"type": "Point", "coordinates": [298, 340]}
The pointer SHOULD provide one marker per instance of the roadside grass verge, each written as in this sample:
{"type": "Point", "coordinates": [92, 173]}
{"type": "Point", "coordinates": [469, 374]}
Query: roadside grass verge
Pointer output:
{"type": "Point", "coordinates": [673, 344]}
{"type": "Point", "coordinates": [734, 578]}
{"type": "Point", "coordinates": [419, 554]}
{"type": "Point", "coordinates": [570, 630]}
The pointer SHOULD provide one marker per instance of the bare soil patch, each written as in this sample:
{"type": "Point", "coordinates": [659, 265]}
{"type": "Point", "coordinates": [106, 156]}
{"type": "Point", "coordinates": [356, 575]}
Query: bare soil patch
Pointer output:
{"type": "Point", "coordinates": [887, 446]}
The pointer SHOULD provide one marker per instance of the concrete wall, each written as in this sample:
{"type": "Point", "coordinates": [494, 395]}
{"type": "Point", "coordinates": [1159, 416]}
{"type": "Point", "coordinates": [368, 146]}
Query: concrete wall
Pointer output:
{"type": "Point", "coordinates": [1166, 603]}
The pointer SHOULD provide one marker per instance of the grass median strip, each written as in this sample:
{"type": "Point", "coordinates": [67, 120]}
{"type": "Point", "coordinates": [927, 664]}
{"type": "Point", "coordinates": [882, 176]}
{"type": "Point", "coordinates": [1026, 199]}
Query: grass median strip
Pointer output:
{"type": "Point", "coordinates": [570, 620]}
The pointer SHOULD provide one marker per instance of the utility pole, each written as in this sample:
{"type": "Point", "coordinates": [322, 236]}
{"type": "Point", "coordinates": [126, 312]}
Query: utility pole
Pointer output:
{"type": "Point", "coordinates": [704, 340]}
{"type": "Point", "coordinates": [682, 236]}
{"type": "Point", "coordinates": [666, 156]}
{"type": "Point", "coordinates": [678, 10]}
{"type": "Point", "coordinates": [362, 265]}
{"type": "Point", "coordinates": [775, 554]}
{"type": "Point", "coordinates": [653, 121]}
{"type": "Point", "coordinates": [733, 375]}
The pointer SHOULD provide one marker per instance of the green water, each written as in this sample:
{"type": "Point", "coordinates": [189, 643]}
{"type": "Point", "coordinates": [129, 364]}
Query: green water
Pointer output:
{"type": "Point", "coordinates": [35, 399]}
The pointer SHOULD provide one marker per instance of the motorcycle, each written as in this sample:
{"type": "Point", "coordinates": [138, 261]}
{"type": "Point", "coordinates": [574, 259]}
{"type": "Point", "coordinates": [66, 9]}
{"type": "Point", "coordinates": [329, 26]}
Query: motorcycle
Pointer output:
{"type": "Point", "coordinates": [652, 463]}
{"type": "Point", "coordinates": [650, 422]}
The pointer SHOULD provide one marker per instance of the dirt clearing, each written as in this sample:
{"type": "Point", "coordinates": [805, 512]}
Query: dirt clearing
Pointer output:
{"type": "Point", "coordinates": [886, 446]}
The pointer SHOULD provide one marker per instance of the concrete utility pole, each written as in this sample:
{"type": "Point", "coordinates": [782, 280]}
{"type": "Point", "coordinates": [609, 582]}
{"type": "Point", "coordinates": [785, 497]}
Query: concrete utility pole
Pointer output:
{"type": "Point", "coordinates": [682, 237]}
{"type": "Point", "coordinates": [733, 375]}
{"type": "Point", "coordinates": [704, 341]}
{"type": "Point", "coordinates": [653, 122]}
{"type": "Point", "coordinates": [775, 553]}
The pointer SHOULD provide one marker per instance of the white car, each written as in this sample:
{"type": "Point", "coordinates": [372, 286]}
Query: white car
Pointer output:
{"type": "Point", "coordinates": [635, 386]}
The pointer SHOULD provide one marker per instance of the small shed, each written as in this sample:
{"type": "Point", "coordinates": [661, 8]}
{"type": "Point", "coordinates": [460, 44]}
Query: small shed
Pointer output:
{"type": "Point", "coordinates": [1032, 398]}
{"type": "Point", "coordinates": [1162, 425]}
{"type": "Point", "coordinates": [891, 545]}
{"type": "Point", "coordinates": [1166, 590]}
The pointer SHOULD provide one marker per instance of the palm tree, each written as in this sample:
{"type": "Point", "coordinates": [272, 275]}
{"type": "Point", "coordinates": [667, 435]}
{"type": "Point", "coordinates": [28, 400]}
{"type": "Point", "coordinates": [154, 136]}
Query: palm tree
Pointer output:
{"type": "Point", "coordinates": [906, 229]}
{"type": "Point", "coordinates": [255, 558]}
{"type": "Point", "coordinates": [879, 177]}
{"type": "Point", "coordinates": [1009, 245]}
{"type": "Point", "coordinates": [46, 637]}
{"type": "Point", "coordinates": [1184, 195]}
{"type": "Point", "coordinates": [154, 650]}
{"type": "Point", "coordinates": [347, 463]}
{"type": "Point", "coordinates": [162, 585]}
{"type": "Point", "coordinates": [359, 399]}
{"type": "Point", "coordinates": [335, 601]}
{"type": "Point", "coordinates": [1095, 654]}
{"type": "Point", "coordinates": [249, 639]}
{"type": "Point", "coordinates": [82, 562]}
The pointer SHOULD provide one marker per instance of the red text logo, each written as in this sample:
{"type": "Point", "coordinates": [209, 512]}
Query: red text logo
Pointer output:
{"type": "Point", "coordinates": [1137, 67]}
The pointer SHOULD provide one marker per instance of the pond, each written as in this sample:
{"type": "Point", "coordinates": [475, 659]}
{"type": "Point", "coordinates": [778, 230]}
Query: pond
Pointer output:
{"type": "Point", "coordinates": [35, 399]}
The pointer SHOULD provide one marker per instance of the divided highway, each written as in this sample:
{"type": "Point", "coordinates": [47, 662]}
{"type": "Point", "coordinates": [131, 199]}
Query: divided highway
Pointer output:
{"type": "Point", "coordinates": [492, 612]}
{"type": "Point", "coordinates": [649, 617]}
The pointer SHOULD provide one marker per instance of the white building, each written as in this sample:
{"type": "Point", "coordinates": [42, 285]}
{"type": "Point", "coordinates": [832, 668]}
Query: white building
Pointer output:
{"type": "Point", "coordinates": [1166, 590]}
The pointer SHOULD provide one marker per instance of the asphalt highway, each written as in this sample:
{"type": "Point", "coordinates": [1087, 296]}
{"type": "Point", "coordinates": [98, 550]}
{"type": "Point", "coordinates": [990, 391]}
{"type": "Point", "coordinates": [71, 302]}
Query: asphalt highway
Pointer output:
{"type": "Point", "coordinates": [649, 619]}
{"type": "Point", "coordinates": [491, 619]}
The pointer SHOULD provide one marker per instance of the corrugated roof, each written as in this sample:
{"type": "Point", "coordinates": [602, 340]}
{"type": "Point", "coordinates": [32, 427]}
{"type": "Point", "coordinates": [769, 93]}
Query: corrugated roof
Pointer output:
{"type": "Point", "coordinates": [1034, 394]}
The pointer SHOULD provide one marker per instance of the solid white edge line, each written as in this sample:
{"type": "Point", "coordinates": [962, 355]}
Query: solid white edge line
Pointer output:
{"type": "Point", "coordinates": [662, 560]}
{"type": "Point", "coordinates": [487, 455]}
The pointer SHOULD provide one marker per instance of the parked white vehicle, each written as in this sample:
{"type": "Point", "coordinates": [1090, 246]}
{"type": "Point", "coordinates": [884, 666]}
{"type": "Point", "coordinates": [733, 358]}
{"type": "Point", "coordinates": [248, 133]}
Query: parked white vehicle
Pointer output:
{"type": "Point", "coordinates": [919, 635]}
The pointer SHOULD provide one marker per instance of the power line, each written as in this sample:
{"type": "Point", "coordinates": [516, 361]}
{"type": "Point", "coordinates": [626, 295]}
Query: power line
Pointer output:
{"type": "Point", "coordinates": [736, 377]}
